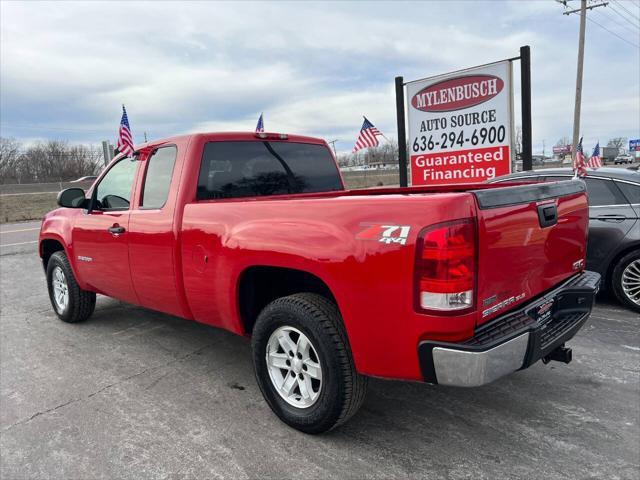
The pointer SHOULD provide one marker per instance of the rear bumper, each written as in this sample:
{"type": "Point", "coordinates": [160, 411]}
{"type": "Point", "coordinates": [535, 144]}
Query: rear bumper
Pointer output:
{"type": "Point", "coordinates": [513, 341]}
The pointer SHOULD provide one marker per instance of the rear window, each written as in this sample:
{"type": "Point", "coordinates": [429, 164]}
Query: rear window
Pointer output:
{"type": "Point", "coordinates": [601, 192]}
{"type": "Point", "coordinates": [247, 169]}
{"type": "Point", "coordinates": [631, 191]}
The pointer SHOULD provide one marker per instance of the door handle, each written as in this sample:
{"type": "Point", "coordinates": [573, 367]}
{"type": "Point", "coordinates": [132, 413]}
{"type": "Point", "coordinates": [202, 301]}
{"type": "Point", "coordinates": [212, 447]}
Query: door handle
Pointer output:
{"type": "Point", "coordinates": [116, 230]}
{"type": "Point", "coordinates": [611, 218]}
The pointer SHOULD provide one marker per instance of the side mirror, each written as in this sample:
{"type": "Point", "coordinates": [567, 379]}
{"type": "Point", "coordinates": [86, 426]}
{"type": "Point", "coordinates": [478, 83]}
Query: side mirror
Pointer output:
{"type": "Point", "coordinates": [72, 198]}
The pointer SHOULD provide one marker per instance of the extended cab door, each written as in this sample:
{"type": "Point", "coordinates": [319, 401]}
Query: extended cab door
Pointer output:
{"type": "Point", "coordinates": [101, 238]}
{"type": "Point", "coordinates": [152, 237]}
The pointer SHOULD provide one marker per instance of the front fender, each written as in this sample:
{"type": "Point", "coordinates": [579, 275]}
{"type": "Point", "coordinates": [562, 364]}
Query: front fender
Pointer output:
{"type": "Point", "coordinates": [58, 225]}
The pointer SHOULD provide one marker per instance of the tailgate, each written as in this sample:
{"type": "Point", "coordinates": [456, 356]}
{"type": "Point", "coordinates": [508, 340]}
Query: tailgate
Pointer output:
{"type": "Point", "coordinates": [530, 238]}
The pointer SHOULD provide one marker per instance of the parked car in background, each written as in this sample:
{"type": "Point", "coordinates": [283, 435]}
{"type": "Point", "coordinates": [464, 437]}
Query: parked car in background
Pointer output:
{"type": "Point", "coordinates": [613, 247]}
{"type": "Point", "coordinates": [623, 159]}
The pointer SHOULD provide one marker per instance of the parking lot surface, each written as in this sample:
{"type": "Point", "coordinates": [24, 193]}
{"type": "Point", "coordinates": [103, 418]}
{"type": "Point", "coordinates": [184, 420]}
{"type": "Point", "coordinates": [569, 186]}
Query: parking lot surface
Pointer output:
{"type": "Point", "coordinates": [136, 394]}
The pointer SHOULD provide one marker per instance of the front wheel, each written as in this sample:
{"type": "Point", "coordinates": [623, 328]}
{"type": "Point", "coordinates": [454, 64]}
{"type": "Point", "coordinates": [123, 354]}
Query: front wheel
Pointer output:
{"type": "Point", "coordinates": [626, 280]}
{"type": "Point", "coordinates": [69, 301]}
{"type": "Point", "coordinates": [303, 363]}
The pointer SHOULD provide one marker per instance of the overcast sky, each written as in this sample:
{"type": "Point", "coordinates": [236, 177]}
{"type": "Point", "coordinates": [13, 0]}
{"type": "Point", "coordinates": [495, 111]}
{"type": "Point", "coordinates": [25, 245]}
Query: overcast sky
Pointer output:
{"type": "Point", "coordinates": [313, 68]}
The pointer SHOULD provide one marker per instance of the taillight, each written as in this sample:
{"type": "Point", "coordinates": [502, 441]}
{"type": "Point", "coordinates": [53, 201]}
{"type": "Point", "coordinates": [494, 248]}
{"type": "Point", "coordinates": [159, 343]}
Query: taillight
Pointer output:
{"type": "Point", "coordinates": [445, 270]}
{"type": "Point", "coordinates": [272, 136]}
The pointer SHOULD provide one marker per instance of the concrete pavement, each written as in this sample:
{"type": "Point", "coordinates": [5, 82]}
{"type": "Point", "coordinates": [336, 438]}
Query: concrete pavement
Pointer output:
{"type": "Point", "coordinates": [136, 394]}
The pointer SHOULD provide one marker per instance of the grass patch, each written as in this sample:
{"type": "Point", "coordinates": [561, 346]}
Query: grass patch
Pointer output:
{"type": "Point", "coordinates": [16, 208]}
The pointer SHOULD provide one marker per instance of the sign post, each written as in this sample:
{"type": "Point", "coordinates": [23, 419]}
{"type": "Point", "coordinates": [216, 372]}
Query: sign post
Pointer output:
{"type": "Point", "coordinates": [402, 135]}
{"type": "Point", "coordinates": [460, 124]}
{"type": "Point", "coordinates": [525, 102]}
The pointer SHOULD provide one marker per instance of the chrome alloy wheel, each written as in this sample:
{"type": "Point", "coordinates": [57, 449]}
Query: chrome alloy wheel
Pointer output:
{"type": "Point", "coordinates": [60, 289]}
{"type": "Point", "coordinates": [294, 367]}
{"type": "Point", "coordinates": [631, 281]}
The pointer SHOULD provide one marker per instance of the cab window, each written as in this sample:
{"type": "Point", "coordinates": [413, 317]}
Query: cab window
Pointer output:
{"type": "Point", "coordinates": [631, 191]}
{"type": "Point", "coordinates": [114, 190]}
{"type": "Point", "coordinates": [158, 177]}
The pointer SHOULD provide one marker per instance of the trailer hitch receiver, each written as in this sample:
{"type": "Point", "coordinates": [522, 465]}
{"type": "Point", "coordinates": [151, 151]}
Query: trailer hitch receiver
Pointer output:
{"type": "Point", "coordinates": [560, 354]}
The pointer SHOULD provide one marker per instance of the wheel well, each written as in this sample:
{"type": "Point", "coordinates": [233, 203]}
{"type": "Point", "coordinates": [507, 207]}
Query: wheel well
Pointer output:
{"type": "Point", "coordinates": [48, 248]}
{"type": "Point", "coordinates": [259, 286]}
{"type": "Point", "coordinates": [615, 260]}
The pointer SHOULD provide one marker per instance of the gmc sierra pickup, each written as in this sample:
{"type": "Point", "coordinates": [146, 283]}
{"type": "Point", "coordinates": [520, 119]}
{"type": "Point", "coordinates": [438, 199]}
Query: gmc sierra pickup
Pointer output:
{"type": "Point", "coordinates": [255, 233]}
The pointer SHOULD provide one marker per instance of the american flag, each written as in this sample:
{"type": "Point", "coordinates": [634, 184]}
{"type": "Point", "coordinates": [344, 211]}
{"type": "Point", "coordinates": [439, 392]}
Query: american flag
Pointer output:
{"type": "Point", "coordinates": [260, 125]}
{"type": "Point", "coordinates": [125, 140]}
{"type": "Point", "coordinates": [594, 161]}
{"type": "Point", "coordinates": [579, 165]}
{"type": "Point", "coordinates": [368, 136]}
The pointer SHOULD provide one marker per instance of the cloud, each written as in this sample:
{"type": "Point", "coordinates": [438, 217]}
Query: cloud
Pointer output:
{"type": "Point", "coordinates": [313, 68]}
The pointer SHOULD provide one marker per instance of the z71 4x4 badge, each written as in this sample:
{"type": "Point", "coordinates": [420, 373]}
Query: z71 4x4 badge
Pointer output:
{"type": "Point", "coordinates": [384, 233]}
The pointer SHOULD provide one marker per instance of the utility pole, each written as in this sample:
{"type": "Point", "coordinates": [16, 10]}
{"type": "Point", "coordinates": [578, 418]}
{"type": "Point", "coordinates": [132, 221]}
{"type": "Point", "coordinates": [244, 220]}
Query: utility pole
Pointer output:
{"type": "Point", "coordinates": [576, 109]}
{"type": "Point", "coordinates": [145, 137]}
{"type": "Point", "coordinates": [107, 153]}
{"type": "Point", "coordinates": [576, 112]}
{"type": "Point", "coordinates": [333, 144]}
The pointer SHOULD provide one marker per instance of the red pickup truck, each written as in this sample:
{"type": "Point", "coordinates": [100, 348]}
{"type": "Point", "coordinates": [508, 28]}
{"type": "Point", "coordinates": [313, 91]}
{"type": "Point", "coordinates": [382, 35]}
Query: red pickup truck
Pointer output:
{"type": "Point", "coordinates": [256, 234]}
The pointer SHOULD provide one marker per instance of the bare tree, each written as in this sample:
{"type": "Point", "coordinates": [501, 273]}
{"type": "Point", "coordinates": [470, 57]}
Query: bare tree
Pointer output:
{"type": "Point", "coordinates": [518, 139]}
{"type": "Point", "coordinates": [385, 153]}
{"type": "Point", "coordinates": [50, 161]}
{"type": "Point", "coordinates": [9, 156]}
{"type": "Point", "coordinates": [563, 141]}
{"type": "Point", "coordinates": [618, 142]}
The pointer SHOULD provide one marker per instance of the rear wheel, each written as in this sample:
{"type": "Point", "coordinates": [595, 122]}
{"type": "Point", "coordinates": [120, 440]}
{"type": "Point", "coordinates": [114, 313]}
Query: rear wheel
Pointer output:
{"type": "Point", "coordinates": [303, 363]}
{"type": "Point", "coordinates": [626, 280]}
{"type": "Point", "coordinates": [69, 301]}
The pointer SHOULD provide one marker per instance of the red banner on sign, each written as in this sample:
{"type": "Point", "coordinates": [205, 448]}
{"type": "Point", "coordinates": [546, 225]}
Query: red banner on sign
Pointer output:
{"type": "Point", "coordinates": [462, 166]}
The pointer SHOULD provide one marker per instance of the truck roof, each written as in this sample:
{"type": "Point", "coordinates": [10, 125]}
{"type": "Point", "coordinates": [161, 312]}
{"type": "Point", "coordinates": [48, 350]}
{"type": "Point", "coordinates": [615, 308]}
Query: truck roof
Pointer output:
{"type": "Point", "coordinates": [236, 136]}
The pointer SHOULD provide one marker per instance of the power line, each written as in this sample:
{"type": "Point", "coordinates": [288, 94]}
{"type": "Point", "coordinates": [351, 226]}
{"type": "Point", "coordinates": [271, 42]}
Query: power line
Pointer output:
{"type": "Point", "coordinates": [579, 70]}
{"type": "Point", "coordinates": [585, 8]}
{"type": "Point", "coordinates": [613, 33]}
{"type": "Point", "coordinates": [617, 22]}
{"type": "Point", "coordinates": [625, 9]}
{"type": "Point", "coordinates": [624, 17]}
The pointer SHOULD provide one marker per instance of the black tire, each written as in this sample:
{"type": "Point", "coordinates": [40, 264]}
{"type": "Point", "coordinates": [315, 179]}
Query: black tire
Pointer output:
{"type": "Point", "coordinates": [81, 303]}
{"type": "Point", "coordinates": [616, 279]}
{"type": "Point", "coordinates": [343, 389]}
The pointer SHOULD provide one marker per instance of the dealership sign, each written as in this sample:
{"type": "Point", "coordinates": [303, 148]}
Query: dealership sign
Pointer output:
{"type": "Point", "coordinates": [460, 125]}
{"type": "Point", "coordinates": [562, 150]}
{"type": "Point", "coordinates": [634, 145]}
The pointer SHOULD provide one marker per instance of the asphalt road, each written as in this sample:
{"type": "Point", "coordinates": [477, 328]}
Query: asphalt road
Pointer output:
{"type": "Point", "coordinates": [135, 394]}
{"type": "Point", "coordinates": [14, 236]}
